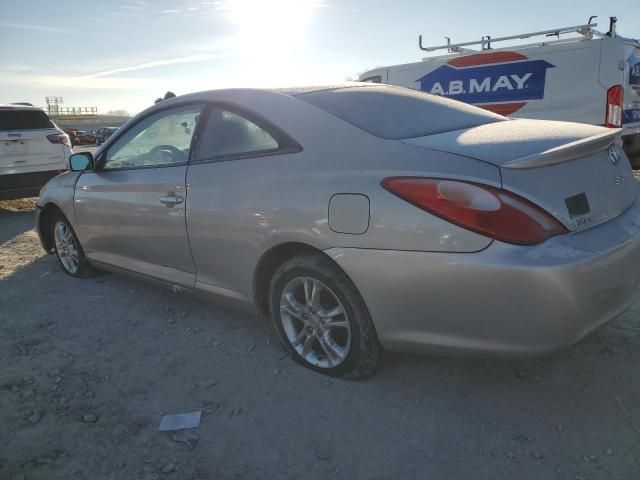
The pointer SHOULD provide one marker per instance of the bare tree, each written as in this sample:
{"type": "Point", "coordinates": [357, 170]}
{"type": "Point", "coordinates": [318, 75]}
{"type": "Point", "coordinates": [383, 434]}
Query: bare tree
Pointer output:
{"type": "Point", "coordinates": [167, 96]}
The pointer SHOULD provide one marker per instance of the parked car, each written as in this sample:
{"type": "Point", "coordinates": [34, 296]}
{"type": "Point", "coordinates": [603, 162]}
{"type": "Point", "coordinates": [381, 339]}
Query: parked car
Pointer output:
{"type": "Point", "coordinates": [103, 133]}
{"type": "Point", "coordinates": [84, 138]}
{"type": "Point", "coordinates": [32, 150]}
{"type": "Point", "coordinates": [362, 217]}
{"type": "Point", "coordinates": [71, 132]}
{"type": "Point", "coordinates": [592, 78]}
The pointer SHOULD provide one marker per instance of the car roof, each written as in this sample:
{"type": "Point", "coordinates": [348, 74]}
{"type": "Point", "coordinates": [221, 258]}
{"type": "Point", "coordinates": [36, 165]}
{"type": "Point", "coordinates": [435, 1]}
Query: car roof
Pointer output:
{"type": "Point", "coordinates": [11, 106]}
{"type": "Point", "coordinates": [295, 91]}
{"type": "Point", "coordinates": [238, 94]}
{"type": "Point", "coordinates": [290, 91]}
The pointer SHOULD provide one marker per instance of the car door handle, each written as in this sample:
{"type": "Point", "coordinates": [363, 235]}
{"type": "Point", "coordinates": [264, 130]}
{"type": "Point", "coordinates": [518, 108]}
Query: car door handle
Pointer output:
{"type": "Point", "coordinates": [171, 199]}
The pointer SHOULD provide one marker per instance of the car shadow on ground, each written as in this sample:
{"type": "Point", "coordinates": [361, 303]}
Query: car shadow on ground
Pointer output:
{"type": "Point", "coordinates": [14, 223]}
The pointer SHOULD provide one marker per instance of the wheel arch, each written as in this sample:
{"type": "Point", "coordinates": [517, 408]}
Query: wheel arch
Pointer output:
{"type": "Point", "coordinates": [44, 225]}
{"type": "Point", "coordinates": [271, 260]}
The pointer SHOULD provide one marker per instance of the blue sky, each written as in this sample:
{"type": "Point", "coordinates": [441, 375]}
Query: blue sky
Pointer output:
{"type": "Point", "coordinates": [124, 53]}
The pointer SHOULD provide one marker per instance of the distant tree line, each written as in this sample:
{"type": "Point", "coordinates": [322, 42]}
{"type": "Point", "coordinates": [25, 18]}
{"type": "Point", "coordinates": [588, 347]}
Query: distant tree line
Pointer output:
{"type": "Point", "coordinates": [121, 113]}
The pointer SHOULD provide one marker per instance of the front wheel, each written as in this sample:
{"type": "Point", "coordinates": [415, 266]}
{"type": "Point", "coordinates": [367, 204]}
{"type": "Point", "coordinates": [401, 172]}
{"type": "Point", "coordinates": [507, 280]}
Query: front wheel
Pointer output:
{"type": "Point", "coordinates": [322, 320]}
{"type": "Point", "coordinates": [68, 249]}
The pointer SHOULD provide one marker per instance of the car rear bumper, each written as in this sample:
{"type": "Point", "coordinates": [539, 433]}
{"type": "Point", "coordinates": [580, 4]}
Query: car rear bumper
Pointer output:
{"type": "Point", "coordinates": [21, 185]}
{"type": "Point", "coordinates": [504, 300]}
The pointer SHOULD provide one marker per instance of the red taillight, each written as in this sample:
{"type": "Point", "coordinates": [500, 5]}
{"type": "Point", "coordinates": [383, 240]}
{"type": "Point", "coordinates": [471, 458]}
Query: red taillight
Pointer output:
{"type": "Point", "coordinates": [613, 116]}
{"type": "Point", "coordinates": [487, 210]}
{"type": "Point", "coordinates": [62, 138]}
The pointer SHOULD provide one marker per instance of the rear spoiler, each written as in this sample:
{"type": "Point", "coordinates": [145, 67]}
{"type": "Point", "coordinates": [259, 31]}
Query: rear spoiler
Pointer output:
{"type": "Point", "coordinates": [568, 151]}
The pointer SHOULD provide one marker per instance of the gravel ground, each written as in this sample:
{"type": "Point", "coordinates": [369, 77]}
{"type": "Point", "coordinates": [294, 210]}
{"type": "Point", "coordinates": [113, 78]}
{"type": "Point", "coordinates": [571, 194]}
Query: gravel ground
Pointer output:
{"type": "Point", "coordinates": [88, 367]}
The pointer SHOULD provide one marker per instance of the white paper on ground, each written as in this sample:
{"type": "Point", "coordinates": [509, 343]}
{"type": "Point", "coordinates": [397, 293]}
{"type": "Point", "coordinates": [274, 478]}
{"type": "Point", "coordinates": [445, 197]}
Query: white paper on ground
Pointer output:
{"type": "Point", "coordinates": [180, 421]}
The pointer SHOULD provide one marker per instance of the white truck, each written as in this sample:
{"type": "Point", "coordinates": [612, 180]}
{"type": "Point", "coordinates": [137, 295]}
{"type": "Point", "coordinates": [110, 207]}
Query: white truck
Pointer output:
{"type": "Point", "coordinates": [591, 77]}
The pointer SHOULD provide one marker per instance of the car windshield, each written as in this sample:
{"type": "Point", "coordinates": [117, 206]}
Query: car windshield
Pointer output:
{"type": "Point", "coordinates": [398, 113]}
{"type": "Point", "coordinates": [17, 119]}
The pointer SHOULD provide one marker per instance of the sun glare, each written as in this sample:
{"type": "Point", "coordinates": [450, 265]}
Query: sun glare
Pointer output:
{"type": "Point", "coordinates": [273, 23]}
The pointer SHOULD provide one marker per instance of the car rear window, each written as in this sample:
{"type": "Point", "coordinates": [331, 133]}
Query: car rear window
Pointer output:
{"type": "Point", "coordinates": [16, 119]}
{"type": "Point", "coordinates": [397, 113]}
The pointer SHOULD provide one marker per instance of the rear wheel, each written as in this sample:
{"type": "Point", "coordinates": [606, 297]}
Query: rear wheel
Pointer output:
{"type": "Point", "coordinates": [68, 249]}
{"type": "Point", "coordinates": [322, 320]}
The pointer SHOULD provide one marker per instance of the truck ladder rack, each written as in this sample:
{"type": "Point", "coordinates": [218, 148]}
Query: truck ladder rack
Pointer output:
{"type": "Point", "coordinates": [485, 43]}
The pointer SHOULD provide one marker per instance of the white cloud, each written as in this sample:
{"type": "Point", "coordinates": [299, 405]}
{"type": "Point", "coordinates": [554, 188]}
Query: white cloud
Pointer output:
{"type": "Point", "coordinates": [18, 67]}
{"type": "Point", "coordinates": [71, 82]}
{"type": "Point", "coordinates": [29, 26]}
{"type": "Point", "coordinates": [159, 63]}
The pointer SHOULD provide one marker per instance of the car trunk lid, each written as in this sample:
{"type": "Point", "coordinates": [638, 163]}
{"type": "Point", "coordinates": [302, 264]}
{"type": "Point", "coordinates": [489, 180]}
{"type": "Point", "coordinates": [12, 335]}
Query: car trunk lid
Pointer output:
{"type": "Point", "coordinates": [25, 148]}
{"type": "Point", "coordinates": [576, 172]}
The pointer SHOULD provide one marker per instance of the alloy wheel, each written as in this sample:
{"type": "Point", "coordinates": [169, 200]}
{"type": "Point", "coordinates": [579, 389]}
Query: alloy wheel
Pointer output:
{"type": "Point", "coordinates": [315, 322]}
{"type": "Point", "coordinates": [66, 247]}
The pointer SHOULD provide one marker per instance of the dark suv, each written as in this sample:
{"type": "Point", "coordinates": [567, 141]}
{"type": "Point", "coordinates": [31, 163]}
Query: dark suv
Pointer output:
{"type": "Point", "coordinates": [103, 133]}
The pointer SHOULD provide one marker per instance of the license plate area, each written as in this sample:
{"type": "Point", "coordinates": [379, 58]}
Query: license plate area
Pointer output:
{"type": "Point", "coordinates": [16, 147]}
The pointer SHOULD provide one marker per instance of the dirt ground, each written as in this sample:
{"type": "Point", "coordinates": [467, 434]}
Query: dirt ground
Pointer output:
{"type": "Point", "coordinates": [88, 368]}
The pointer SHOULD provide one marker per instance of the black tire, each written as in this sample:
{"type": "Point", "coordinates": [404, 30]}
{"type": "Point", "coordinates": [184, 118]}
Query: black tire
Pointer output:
{"type": "Point", "coordinates": [84, 268]}
{"type": "Point", "coordinates": [365, 353]}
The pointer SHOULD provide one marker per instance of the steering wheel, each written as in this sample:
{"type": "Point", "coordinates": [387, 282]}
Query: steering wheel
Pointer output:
{"type": "Point", "coordinates": [178, 155]}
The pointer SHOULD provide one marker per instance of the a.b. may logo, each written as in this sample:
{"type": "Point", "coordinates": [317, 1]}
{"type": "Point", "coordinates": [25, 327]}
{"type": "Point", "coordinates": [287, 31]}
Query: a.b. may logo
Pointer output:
{"type": "Point", "coordinates": [634, 70]}
{"type": "Point", "coordinates": [502, 82]}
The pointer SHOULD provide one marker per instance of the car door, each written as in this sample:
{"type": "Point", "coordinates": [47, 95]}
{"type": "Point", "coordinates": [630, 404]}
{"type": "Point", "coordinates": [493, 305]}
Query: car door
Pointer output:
{"type": "Point", "coordinates": [130, 211]}
{"type": "Point", "coordinates": [228, 214]}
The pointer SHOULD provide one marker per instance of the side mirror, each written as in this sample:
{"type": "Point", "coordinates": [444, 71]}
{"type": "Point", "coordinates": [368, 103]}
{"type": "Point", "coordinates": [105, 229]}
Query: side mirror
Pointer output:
{"type": "Point", "coordinates": [81, 162]}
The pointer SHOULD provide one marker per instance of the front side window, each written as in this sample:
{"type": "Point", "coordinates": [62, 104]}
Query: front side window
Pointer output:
{"type": "Point", "coordinates": [227, 133]}
{"type": "Point", "coordinates": [163, 138]}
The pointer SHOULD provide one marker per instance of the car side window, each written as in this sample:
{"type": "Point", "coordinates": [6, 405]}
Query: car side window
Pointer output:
{"type": "Point", "coordinates": [163, 138]}
{"type": "Point", "coordinates": [228, 133]}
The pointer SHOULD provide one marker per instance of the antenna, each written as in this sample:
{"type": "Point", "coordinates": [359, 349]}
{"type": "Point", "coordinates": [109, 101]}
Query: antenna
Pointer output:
{"type": "Point", "coordinates": [612, 26]}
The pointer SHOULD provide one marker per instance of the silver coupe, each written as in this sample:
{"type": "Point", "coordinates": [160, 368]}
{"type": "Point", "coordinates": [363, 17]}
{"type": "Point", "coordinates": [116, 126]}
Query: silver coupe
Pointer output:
{"type": "Point", "coordinates": [361, 217]}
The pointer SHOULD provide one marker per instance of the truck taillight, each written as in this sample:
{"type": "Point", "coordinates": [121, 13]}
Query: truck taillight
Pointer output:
{"type": "Point", "coordinates": [483, 209]}
{"type": "Point", "coordinates": [62, 138]}
{"type": "Point", "coordinates": [615, 96]}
